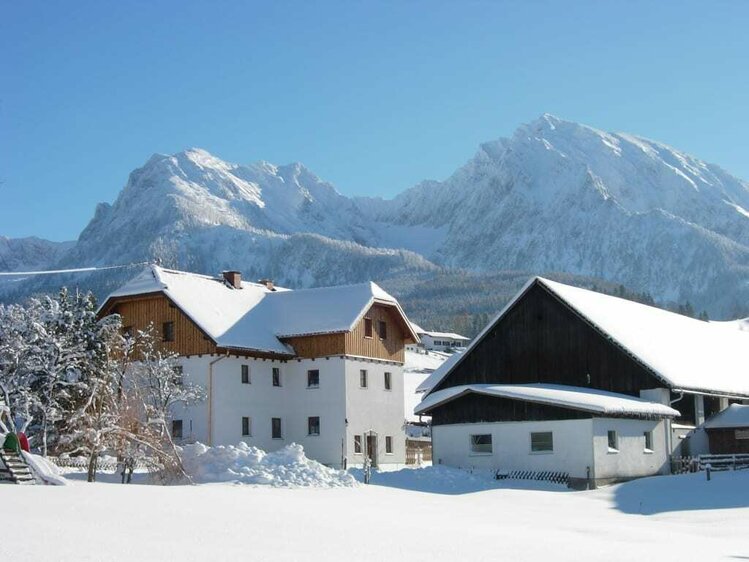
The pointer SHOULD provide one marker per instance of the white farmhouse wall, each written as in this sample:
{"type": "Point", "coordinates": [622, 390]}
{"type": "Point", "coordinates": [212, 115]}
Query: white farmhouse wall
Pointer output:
{"type": "Point", "coordinates": [631, 459]}
{"type": "Point", "coordinates": [338, 400]}
{"type": "Point", "coordinates": [512, 446]}
{"type": "Point", "coordinates": [375, 409]}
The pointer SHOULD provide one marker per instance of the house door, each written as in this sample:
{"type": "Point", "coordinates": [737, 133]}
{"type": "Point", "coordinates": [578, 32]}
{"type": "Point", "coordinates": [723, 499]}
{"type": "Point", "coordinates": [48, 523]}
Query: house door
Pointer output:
{"type": "Point", "coordinates": [372, 449]}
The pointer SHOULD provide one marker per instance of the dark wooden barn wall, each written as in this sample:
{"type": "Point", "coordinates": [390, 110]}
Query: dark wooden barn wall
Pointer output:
{"type": "Point", "coordinates": [474, 408]}
{"type": "Point", "coordinates": [540, 340]}
{"type": "Point", "coordinates": [724, 442]}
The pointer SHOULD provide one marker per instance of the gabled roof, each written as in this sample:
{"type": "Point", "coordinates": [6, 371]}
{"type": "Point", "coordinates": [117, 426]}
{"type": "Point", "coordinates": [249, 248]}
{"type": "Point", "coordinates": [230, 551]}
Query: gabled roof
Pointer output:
{"type": "Point", "coordinates": [686, 354]}
{"type": "Point", "coordinates": [571, 397]}
{"type": "Point", "coordinates": [736, 415]}
{"type": "Point", "coordinates": [255, 317]}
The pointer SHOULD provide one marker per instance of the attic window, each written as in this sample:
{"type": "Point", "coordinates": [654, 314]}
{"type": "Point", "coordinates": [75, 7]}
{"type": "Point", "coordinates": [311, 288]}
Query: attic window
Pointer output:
{"type": "Point", "coordinates": [382, 329]}
{"type": "Point", "coordinates": [368, 331]}
{"type": "Point", "coordinates": [167, 331]}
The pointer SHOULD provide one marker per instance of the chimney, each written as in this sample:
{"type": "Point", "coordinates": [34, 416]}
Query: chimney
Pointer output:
{"type": "Point", "coordinates": [268, 284]}
{"type": "Point", "coordinates": [233, 278]}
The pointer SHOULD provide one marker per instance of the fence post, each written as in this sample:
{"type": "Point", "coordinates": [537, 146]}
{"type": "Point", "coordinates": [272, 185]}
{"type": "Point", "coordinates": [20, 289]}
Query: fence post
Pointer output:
{"type": "Point", "coordinates": [707, 471]}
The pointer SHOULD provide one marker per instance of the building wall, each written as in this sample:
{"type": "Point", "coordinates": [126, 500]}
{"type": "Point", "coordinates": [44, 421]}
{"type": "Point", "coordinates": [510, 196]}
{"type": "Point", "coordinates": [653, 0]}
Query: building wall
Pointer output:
{"type": "Point", "coordinates": [392, 348]}
{"type": "Point", "coordinates": [374, 409]}
{"type": "Point", "coordinates": [573, 450]}
{"type": "Point", "coordinates": [725, 442]}
{"type": "Point", "coordinates": [336, 401]}
{"type": "Point", "coordinates": [445, 343]}
{"type": "Point", "coordinates": [631, 460]}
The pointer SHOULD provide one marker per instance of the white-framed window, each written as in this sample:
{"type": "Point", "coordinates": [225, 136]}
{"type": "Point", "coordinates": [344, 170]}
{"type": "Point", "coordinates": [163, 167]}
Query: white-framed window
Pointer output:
{"type": "Point", "coordinates": [542, 442]}
{"type": "Point", "coordinates": [613, 440]}
{"type": "Point", "coordinates": [741, 433]}
{"type": "Point", "coordinates": [276, 428]}
{"type": "Point", "coordinates": [313, 378]}
{"type": "Point", "coordinates": [357, 444]}
{"type": "Point", "coordinates": [245, 374]}
{"type": "Point", "coordinates": [313, 425]}
{"type": "Point", "coordinates": [388, 445]}
{"type": "Point", "coordinates": [176, 429]}
{"type": "Point", "coordinates": [363, 378]}
{"type": "Point", "coordinates": [481, 444]}
{"type": "Point", "coordinates": [648, 441]}
{"type": "Point", "coordinates": [246, 426]}
{"type": "Point", "coordinates": [388, 380]}
{"type": "Point", "coordinates": [276, 376]}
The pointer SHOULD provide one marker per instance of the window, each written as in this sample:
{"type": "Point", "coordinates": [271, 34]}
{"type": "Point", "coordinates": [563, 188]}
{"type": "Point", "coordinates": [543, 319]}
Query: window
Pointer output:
{"type": "Point", "coordinates": [276, 376]}
{"type": "Point", "coordinates": [357, 444]}
{"type": "Point", "coordinates": [367, 327]}
{"type": "Point", "coordinates": [481, 444]}
{"type": "Point", "coordinates": [382, 329]}
{"type": "Point", "coordinates": [363, 378]}
{"type": "Point", "coordinates": [177, 374]}
{"type": "Point", "coordinates": [127, 331]}
{"type": "Point", "coordinates": [313, 378]}
{"type": "Point", "coordinates": [276, 432]}
{"type": "Point", "coordinates": [176, 429]}
{"type": "Point", "coordinates": [388, 445]}
{"type": "Point", "coordinates": [741, 434]}
{"type": "Point", "coordinates": [613, 441]}
{"type": "Point", "coordinates": [313, 425]}
{"type": "Point", "coordinates": [388, 381]}
{"type": "Point", "coordinates": [245, 374]}
{"type": "Point", "coordinates": [542, 442]}
{"type": "Point", "coordinates": [246, 426]}
{"type": "Point", "coordinates": [167, 331]}
{"type": "Point", "coordinates": [648, 440]}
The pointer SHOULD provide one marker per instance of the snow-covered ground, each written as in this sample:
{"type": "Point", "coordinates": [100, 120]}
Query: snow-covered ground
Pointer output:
{"type": "Point", "coordinates": [428, 514]}
{"type": "Point", "coordinates": [418, 366]}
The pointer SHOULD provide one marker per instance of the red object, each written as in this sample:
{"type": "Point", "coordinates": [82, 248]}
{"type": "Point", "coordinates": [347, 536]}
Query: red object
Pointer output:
{"type": "Point", "coordinates": [23, 441]}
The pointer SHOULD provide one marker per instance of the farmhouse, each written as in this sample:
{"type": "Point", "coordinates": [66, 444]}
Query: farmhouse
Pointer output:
{"type": "Point", "coordinates": [575, 381]}
{"type": "Point", "coordinates": [440, 341]}
{"type": "Point", "coordinates": [319, 367]}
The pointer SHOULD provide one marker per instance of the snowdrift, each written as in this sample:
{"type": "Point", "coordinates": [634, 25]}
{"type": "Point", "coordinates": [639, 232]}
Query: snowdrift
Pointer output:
{"type": "Point", "coordinates": [44, 470]}
{"type": "Point", "coordinates": [286, 468]}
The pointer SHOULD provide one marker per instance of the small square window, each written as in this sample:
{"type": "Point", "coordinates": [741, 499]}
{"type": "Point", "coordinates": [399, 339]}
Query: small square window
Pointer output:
{"type": "Point", "coordinates": [276, 376]}
{"type": "Point", "coordinates": [313, 425]}
{"type": "Point", "coordinates": [382, 330]}
{"type": "Point", "coordinates": [368, 328]}
{"type": "Point", "coordinates": [313, 378]}
{"type": "Point", "coordinates": [245, 374]}
{"type": "Point", "coordinates": [167, 331]}
{"type": "Point", "coordinates": [648, 440]}
{"type": "Point", "coordinates": [276, 429]}
{"type": "Point", "coordinates": [388, 381]}
{"type": "Point", "coordinates": [388, 445]}
{"type": "Point", "coordinates": [542, 442]}
{"type": "Point", "coordinates": [481, 444]}
{"type": "Point", "coordinates": [176, 429]}
{"type": "Point", "coordinates": [613, 441]}
{"type": "Point", "coordinates": [246, 426]}
{"type": "Point", "coordinates": [363, 378]}
{"type": "Point", "coordinates": [357, 444]}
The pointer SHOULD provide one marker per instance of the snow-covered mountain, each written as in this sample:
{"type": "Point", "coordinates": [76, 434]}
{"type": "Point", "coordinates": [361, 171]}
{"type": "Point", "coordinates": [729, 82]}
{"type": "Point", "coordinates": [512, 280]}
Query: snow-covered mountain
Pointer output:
{"type": "Point", "coordinates": [29, 254]}
{"type": "Point", "coordinates": [556, 196]}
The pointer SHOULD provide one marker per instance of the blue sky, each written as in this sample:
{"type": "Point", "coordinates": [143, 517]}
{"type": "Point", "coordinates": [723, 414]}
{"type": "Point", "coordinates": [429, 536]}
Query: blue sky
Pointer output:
{"type": "Point", "coordinates": [372, 96]}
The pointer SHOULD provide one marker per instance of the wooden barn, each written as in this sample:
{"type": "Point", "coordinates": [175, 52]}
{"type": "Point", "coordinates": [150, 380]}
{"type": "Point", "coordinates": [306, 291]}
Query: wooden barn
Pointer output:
{"type": "Point", "coordinates": [728, 431]}
{"type": "Point", "coordinates": [572, 380]}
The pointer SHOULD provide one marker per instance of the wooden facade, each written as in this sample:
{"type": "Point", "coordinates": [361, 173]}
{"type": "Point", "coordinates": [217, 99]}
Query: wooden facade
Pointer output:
{"type": "Point", "coordinates": [540, 339]}
{"type": "Point", "coordinates": [139, 311]}
{"type": "Point", "coordinates": [728, 441]}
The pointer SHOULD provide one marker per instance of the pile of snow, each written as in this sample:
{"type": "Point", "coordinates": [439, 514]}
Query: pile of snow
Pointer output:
{"type": "Point", "coordinates": [44, 470]}
{"type": "Point", "coordinates": [287, 467]}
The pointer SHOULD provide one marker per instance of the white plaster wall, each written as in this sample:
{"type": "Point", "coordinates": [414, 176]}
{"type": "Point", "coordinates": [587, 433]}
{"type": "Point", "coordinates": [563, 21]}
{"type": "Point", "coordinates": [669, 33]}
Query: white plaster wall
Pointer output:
{"type": "Point", "coordinates": [375, 409]}
{"type": "Point", "coordinates": [632, 459]}
{"type": "Point", "coordinates": [511, 443]}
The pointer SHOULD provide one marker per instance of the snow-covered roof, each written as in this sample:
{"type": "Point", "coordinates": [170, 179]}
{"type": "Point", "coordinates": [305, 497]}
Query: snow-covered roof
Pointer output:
{"type": "Point", "coordinates": [448, 335]}
{"type": "Point", "coordinates": [736, 415]}
{"type": "Point", "coordinates": [687, 354]}
{"type": "Point", "coordinates": [577, 398]}
{"type": "Point", "coordinates": [255, 317]}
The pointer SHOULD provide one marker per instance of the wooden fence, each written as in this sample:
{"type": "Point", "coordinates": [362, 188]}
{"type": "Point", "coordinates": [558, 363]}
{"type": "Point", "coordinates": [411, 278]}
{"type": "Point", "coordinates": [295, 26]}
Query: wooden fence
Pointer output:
{"type": "Point", "coordinates": [681, 465]}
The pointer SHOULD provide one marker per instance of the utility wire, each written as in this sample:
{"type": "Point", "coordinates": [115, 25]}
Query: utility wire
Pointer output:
{"type": "Point", "coordinates": [76, 270]}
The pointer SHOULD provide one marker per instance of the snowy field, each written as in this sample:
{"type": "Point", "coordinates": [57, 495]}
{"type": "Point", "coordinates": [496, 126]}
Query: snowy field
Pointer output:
{"type": "Point", "coordinates": [431, 514]}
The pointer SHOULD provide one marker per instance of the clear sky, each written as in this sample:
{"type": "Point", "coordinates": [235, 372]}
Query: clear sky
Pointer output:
{"type": "Point", "coordinates": [372, 96]}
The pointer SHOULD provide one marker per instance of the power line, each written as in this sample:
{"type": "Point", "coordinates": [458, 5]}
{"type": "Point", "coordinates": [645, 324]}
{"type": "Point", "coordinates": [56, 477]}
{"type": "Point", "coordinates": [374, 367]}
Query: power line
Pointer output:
{"type": "Point", "coordinates": [75, 270]}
